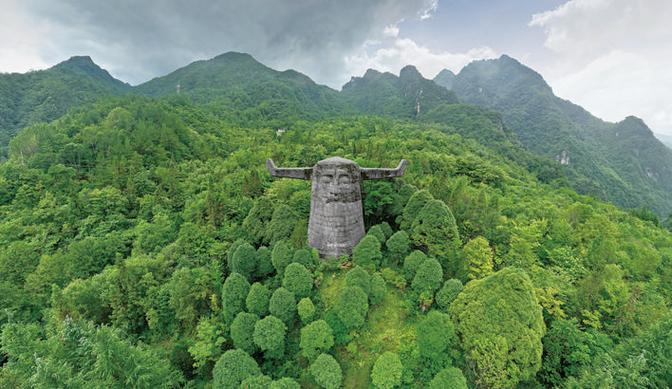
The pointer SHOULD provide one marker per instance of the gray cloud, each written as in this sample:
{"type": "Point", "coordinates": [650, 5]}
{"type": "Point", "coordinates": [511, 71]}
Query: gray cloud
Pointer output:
{"type": "Point", "coordinates": [137, 40]}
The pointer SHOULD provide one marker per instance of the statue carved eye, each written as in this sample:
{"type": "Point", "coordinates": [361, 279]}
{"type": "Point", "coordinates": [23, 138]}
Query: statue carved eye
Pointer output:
{"type": "Point", "coordinates": [326, 178]}
{"type": "Point", "coordinates": [344, 179]}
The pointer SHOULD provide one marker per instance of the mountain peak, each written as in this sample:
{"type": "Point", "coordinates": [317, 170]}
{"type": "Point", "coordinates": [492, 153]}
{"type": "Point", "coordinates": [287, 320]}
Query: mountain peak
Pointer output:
{"type": "Point", "coordinates": [81, 62]}
{"type": "Point", "coordinates": [634, 125]}
{"type": "Point", "coordinates": [371, 73]}
{"type": "Point", "coordinates": [409, 71]}
{"type": "Point", "coordinates": [445, 78]}
{"type": "Point", "coordinates": [80, 59]}
{"type": "Point", "coordinates": [235, 55]}
{"type": "Point", "coordinates": [83, 65]}
{"type": "Point", "coordinates": [500, 76]}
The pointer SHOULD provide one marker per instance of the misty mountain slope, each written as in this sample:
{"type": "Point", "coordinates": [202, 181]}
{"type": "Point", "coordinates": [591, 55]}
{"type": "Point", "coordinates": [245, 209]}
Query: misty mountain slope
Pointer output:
{"type": "Point", "coordinates": [409, 95]}
{"type": "Point", "coordinates": [666, 139]}
{"type": "Point", "coordinates": [622, 162]}
{"type": "Point", "coordinates": [236, 81]}
{"type": "Point", "coordinates": [445, 78]}
{"type": "Point", "coordinates": [47, 94]}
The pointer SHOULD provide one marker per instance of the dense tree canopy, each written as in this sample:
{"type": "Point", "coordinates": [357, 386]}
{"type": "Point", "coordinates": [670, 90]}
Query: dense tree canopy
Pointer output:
{"type": "Point", "coordinates": [316, 338]}
{"type": "Point", "coordinates": [500, 323]}
{"type": "Point", "coordinates": [232, 368]}
{"type": "Point", "coordinates": [283, 305]}
{"type": "Point", "coordinates": [269, 336]}
{"type": "Point", "coordinates": [352, 306]}
{"type": "Point", "coordinates": [142, 243]}
{"type": "Point", "coordinates": [326, 372]}
{"type": "Point", "coordinates": [387, 370]}
{"type": "Point", "coordinates": [298, 280]}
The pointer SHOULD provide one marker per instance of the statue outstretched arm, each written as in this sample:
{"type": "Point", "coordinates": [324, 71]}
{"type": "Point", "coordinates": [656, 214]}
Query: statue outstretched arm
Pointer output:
{"type": "Point", "coordinates": [380, 173]}
{"type": "Point", "coordinates": [302, 173]}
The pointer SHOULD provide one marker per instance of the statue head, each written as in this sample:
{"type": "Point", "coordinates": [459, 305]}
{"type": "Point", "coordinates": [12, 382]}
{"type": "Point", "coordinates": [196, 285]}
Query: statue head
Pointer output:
{"type": "Point", "coordinates": [336, 217]}
{"type": "Point", "coordinates": [337, 179]}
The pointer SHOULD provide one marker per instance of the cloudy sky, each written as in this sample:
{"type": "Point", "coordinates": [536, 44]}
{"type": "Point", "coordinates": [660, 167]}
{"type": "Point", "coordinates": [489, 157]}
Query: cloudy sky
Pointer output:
{"type": "Point", "coordinates": [610, 56]}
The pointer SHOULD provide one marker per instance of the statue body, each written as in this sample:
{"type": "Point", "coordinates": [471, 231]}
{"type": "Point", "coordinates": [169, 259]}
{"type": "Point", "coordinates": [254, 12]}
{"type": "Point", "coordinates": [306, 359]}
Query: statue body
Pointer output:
{"type": "Point", "coordinates": [336, 222]}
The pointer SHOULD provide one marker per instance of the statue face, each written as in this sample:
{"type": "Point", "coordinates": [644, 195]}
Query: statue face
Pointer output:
{"type": "Point", "coordinates": [337, 183]}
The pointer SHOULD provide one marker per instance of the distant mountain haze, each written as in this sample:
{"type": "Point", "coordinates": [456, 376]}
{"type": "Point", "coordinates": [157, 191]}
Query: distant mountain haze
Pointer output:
{"type": "Point", "coordinates": [499, 103]}
{"type": "Point", "coordinates": [621, 162]}
{"type": "Point", "coordinates": [666, 139]}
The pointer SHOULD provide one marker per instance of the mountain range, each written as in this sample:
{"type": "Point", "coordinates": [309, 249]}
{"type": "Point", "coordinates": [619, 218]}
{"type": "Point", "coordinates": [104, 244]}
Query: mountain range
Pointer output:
{"type": "Point", "coordinates": [621, 162]}
{"type": "Point", "coordinates": [500, 103]}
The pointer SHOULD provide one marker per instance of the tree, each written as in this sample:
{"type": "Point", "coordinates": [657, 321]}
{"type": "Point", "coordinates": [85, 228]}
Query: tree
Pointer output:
{"type": "Point", "coordinates": [413, 207]}
{"type": "Point", "coordinates": [434, 335]}
{"type": "Point", "coordinates": [244, 260]}
{"type": "Point", "coordinates": [316, 338]}
{"type": "Point", "coordinates": [269, 336]}
{"type": "Point", "coordinates": [234, 293]}
{"type": "Point", "coordinates": [398, 246]}
{"type": "Point", "coordinates": [281, 256]}
{"type": "Point", "coordinates": [500, 323]}
{"type": "Point", "coordinates": [387, 230]}
{"type": "Point", "coordinates": [255, 224]}
{"type": "Point", "coordinates": [568, 351]}
{"type": "Point", "coordinates": [326, 372]}
{"type": "Point", "coordinates": [242, 328]}
{"type": "Point", "coordinates": [412, 262]}
{"type": "Point", "coordinates": [448, 293]}
{"type": "Point", "coordinates": [298, 280]}
{"type": "Point", "coordinates": [304, 257]}
{"type": "Point", "coordinates": [284, 383]}
{"type": "Point", "coordinates": [378, 289]}
{"type": "Point", "coordinates": [359, 277]}
{"type": "Point", "coordinates": [377, 232]}
{"type": "Point", "coordinates": [207, 347]}
{"type": "Point", "coordinates": [282, 224]}
{"type": "Point", "coordinates": [283, 305]}
{"type": "Point", "coordinates": [428, 278]}
{"type": "Point", "coordinates": [450, 377]}
{"type": "Point", "coordinates": [232, 368]}
{"type": "Point", "coordinates": [478, 255]}
{"type": "Point", "coordinates": [257, 299]}
{"type": "Point", "coordinates": [306, 310]}
{"type": "Point", "coordinates": [387, 370]}
{"type": "Point", "coordinates": [232, 250]}
{"type": "Point", "coordinates": [257, 381]}
{"type": "Point", "coordinates": [191, 291]}
{"type": "Point", "coordinates": [434, 229]}
{"type": "Point", "coordinates": [352, 305]}
{"type": "Point", "coordinates": [367, 253]}
{"type": "Point", "coordinates": [264, 263]}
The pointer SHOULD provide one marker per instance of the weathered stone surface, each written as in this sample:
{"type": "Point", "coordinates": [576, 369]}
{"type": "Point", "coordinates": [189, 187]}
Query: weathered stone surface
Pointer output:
{"type": "Point", "coordinates": [336, 218]}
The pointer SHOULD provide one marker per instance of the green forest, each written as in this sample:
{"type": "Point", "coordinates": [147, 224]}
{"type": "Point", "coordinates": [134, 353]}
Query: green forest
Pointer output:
{"type": "Point", "coordinates": [145, 245]}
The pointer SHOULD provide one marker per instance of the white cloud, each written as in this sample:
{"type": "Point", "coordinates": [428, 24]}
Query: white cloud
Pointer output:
{"type": "Point", "coordinates": [391, 31]}
{"type": "Point", "coordinates": [138, 40]}
{"type": "Point", "coordinates": [613, 57]}
{"type": "Point", "coordinates": [392, 56]}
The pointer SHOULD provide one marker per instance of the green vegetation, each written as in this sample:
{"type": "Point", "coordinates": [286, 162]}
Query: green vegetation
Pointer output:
{"type": "Point", "coordinates": [44, 95]}
{"type": "Point", "coordinates": [386, 373]}
{"type": "Point", "coordinates": [143, 244]}
{"type": "Point", "coordinates": [620, 162]}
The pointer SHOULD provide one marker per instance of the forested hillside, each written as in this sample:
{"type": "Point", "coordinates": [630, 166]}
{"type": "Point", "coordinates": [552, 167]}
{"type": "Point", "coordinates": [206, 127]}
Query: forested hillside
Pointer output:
{"type": "Point", "coordinates": [47, 94]}
{"type": "Point", "coordinates": [619, 162]}
{"type": "Point", "coordinates": [237, 85]}
{"type": "Point", "coordinates": [143, 244]}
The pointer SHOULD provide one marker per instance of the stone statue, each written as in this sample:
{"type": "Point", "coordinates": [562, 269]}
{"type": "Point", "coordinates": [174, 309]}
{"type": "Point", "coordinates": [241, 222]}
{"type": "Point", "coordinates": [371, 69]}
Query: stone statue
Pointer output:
{"type": "Point", "coordinates": [336, 218]}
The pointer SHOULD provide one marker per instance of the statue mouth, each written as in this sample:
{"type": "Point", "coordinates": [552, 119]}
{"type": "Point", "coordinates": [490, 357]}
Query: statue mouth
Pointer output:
{"type": "Point", "coordinates": [349, 197]}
